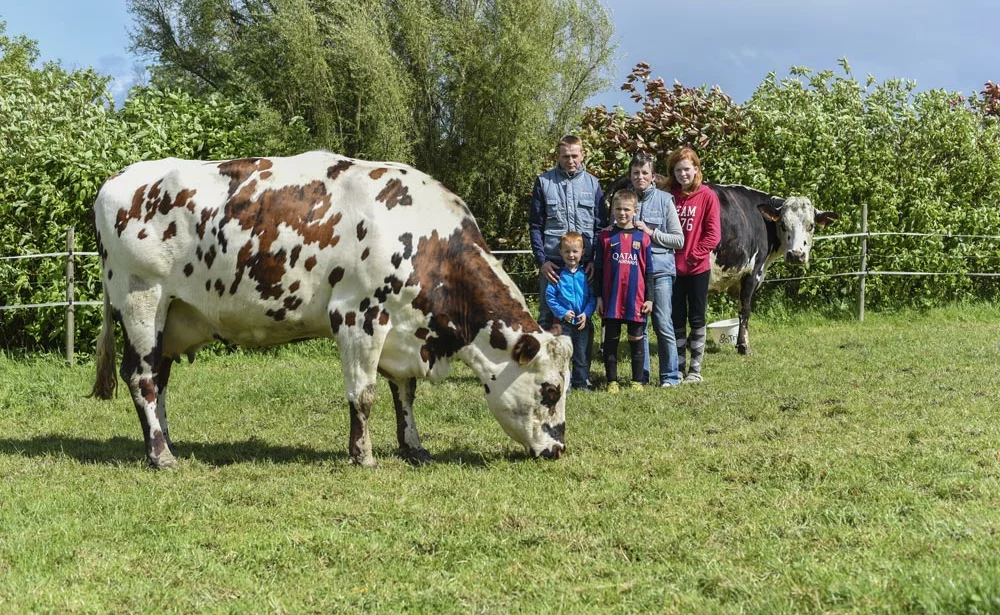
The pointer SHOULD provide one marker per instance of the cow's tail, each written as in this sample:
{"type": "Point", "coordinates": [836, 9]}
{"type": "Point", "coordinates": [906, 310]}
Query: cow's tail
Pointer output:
{"type": "Point", "coordinates": [106, 381]}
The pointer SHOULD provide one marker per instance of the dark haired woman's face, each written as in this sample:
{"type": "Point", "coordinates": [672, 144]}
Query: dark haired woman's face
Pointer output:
{"type": "Point", "coordinates": [641, 176]}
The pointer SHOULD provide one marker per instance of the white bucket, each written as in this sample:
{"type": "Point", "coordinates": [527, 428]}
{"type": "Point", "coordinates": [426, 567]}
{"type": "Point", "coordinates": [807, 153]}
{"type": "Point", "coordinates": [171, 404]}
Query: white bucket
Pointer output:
{"type": "Point", "coordinates": [724, 332]}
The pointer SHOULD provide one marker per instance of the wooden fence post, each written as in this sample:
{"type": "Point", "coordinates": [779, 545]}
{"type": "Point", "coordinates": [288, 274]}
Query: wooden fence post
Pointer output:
{"type": "Point", "coordinates": [70, 321]}
{"type": "Point", "coordinates": [864, 262]}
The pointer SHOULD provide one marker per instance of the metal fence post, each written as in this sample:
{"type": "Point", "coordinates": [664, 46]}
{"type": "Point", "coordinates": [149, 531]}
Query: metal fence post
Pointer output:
{"type": "Point", "coordinates": [864, 262]}
{"type": "Point", "coordinates": [70, 320]}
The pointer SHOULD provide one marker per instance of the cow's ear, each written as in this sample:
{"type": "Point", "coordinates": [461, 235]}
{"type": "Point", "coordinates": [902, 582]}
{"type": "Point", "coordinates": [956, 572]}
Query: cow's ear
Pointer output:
{"type": "Point", "coordinates": [525, 349]}
{"type": "Point", "coordinates": [826, 217]}
{"type": "Point", "coordinates": [771, 211]}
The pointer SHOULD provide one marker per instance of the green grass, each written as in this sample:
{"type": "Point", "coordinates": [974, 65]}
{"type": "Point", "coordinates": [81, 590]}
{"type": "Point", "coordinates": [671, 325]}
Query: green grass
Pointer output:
{"type": "Point", "coordinates": [843, 468]}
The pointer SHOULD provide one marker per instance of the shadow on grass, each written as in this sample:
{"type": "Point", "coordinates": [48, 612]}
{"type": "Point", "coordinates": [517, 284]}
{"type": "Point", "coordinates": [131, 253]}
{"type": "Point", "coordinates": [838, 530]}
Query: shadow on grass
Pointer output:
{"type": "Point", "coordinates": [118, 451]}
{"type": "Point", "coordinates": [127, 450]}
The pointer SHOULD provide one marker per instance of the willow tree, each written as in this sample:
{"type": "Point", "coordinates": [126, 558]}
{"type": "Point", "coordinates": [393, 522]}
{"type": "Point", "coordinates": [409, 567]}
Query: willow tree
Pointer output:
{"type": "Point", "coordinates": [473, 91]}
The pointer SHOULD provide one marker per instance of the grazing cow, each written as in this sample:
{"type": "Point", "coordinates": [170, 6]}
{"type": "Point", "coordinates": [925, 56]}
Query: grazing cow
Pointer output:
{"type": "Point", "coordinates": [757, 228]}
{"type": "Point", "coordinates": [263, 251]}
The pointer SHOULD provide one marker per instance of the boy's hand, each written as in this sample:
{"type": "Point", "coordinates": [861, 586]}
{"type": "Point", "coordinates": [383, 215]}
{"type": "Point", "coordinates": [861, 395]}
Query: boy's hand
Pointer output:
{"type": "Point", "coordinates": [569, 316]}
{"type": "Point", "coordinates": [583, 322]}
{"type": "Point", "coordinates": [647, 307]}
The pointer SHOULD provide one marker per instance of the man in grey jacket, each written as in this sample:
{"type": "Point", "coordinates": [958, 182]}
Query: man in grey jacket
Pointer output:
{"type": "Point", "coordinates": [566, 198]}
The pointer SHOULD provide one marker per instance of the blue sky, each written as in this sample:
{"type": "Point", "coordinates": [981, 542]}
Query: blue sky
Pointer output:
{"type": "Point", "coordinates": [731, 43]}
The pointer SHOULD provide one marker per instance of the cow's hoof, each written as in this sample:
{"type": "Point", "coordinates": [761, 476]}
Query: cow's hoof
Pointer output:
{"type": "Point", "coordinates": [165, 461]}
{"type": "Point", "coordinates": [364, 462]}
{"type": "Point", "coordinates": [416, 456]}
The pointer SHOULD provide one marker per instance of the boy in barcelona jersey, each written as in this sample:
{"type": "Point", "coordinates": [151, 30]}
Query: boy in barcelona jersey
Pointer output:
{"type": "Point", "coordinates": [622, 255]}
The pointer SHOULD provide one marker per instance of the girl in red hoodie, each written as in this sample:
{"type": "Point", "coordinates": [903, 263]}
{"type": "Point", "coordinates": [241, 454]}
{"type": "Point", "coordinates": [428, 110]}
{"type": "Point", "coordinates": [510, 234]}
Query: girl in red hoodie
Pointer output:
{"type": "Point", "coordinates": [698, 211]}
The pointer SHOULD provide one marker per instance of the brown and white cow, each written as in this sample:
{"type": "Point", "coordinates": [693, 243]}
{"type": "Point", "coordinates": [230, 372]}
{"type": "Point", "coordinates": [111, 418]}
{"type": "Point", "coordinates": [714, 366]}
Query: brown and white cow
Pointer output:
{"type": "Point", "coordinates": [263, 251]}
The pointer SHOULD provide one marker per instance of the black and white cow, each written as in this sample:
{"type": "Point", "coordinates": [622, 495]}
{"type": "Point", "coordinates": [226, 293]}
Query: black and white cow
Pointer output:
{"type": "Point", "coordinates": [757, 228]}
{"type": "Point", "coordinates": [263, 251]}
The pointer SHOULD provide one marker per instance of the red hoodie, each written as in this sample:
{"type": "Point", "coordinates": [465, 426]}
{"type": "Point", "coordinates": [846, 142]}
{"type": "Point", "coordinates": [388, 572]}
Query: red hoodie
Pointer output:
{"type": "Point", "coordinates": [699, 216]}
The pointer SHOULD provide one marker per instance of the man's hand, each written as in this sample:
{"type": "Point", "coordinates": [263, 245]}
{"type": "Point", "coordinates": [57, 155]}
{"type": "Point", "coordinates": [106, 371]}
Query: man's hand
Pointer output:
{"type": "Point", "coordinates": [550, 271]}
{"type": "Point", "coordinates": [647, 307]}
{"type": "Point", "coordinates": [589, 270]}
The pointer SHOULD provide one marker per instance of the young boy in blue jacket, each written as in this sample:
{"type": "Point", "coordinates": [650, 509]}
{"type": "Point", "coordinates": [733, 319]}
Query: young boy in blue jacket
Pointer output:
{"type": "Point", "coordinates": [572, 302]}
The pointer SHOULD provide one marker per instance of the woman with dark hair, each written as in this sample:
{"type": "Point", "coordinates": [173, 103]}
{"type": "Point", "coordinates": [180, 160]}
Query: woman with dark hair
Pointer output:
{"type": "Point", "coordinates": [698, 211]}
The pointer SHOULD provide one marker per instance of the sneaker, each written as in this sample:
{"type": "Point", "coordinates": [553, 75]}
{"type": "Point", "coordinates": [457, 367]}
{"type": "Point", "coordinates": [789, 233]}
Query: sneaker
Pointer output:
{"type": "Point", "coordinates": [667, 385]}
{"type": "Point", "coordinates": [613, 387]}
{"type": "Point", "coordinates": [636, 386]}
{"type": "Point", "coordinates": [692, 378]}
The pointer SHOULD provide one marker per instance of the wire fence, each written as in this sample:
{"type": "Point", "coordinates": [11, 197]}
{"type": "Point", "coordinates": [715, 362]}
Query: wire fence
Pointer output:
{"type": "Point", "coordinates": [520, 265]}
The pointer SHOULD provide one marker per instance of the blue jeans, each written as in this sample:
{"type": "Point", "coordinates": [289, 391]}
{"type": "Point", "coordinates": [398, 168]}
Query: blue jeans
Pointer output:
{"type": "Point", "coordinates": [581, 359]}
{"type": "Point", "coordinates": [666, 343]}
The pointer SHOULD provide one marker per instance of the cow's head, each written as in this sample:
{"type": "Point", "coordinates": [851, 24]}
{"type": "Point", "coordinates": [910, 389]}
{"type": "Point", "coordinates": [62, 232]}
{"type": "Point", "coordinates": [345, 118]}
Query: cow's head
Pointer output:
{"type": "Point", "coordinates": [796, 219]}
{"type": "Point", "coordinates": [528, 395]}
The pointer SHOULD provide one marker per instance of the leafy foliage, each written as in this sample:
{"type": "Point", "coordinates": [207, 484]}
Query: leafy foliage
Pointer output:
{"type": "Point", "coordinates": [922, 162]}
{"type": "Point", "coordinates": [60, 138]}
{"type": "Point", "coordinates": [474, 92]}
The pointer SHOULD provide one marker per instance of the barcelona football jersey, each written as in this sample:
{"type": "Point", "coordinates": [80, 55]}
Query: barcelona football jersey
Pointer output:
{"type": "Point", "coordinates": [623, 256]}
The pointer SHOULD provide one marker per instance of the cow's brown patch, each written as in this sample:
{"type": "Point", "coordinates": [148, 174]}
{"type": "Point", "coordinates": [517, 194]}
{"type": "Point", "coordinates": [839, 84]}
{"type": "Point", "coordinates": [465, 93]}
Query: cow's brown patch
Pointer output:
{"type": "Point", "coordinates": [335, 321]}
{"type": "Point", "coordinates": [365, 253]}
{"type": "Point", "coordinates": [310, 263]}
{"type": "Point", "coordinates": [188, 270]}
{"type": "Point", "coordinates": [206, 216]}
{"type": "Point", "coordinates": [292, 303]}
{"type": "Point", "coordinates": [210, 256]}
{"type": "Point", "coordinates": [295, 255]}
{"type": "Point", "coordinates": [142, 234]}
{"type": "Point", "coordinates": [170, 231]}
{"type": "Point", "coordinates": [199, 253]}
{"type": "Point", "coordinates": [350, 318]}
{"type": "Point", "coordinates": [277, 315]}
{"type": "Point", "coordinates": [220, 287]}
{"type": "Point", "coordinates": [370, 315]}
{"type": "Point", "coordinates": [461, 291]}
{"type": "Point", "coordinates": [306, 209]}
{"type": "Point", "coordinates": [362, 231]}
{"type": "Point", "coordinates": [395, 193]}
{"type": "Point", "coordinates": [294, 286]}
{"type": "Point", "coordinates": [336, 276]}
{"type": "Point", "coordinates": [335, 171]}
{"type": "Point", "coordinates": [497, 339]}
{"type": "Point", "coordinates": [378, 173]}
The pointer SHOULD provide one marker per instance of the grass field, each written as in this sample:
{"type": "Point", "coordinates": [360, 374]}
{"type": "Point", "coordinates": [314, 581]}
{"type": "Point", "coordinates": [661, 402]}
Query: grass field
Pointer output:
{"type": "Point", "coordinates": [843, 468]}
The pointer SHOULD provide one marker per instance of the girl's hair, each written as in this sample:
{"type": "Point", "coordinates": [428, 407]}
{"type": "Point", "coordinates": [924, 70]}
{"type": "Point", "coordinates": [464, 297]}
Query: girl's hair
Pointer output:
{"type": "Point", "coordinates": [571, 238]}
{"type": "Point", "coordinates": [683, 153]}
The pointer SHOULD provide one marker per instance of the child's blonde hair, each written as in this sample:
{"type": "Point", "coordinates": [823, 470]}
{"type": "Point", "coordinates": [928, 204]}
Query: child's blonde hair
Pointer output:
{"type": "Point", "coordinates": [571, 238]}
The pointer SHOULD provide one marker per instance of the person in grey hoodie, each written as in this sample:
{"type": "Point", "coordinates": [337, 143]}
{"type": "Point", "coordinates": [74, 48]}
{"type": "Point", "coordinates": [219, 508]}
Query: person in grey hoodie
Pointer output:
{"type": "Point", "coordinates": [657, 217]}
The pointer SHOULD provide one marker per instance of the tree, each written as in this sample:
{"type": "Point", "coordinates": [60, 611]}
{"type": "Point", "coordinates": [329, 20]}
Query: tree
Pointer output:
{"type": "Point", "coordinates": [60, 138]}
{"type": "Point", "coordinates": [475, 92]}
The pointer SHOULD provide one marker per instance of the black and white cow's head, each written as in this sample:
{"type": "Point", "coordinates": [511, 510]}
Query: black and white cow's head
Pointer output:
{"type": "Point", "coordinates": [796, 220]}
